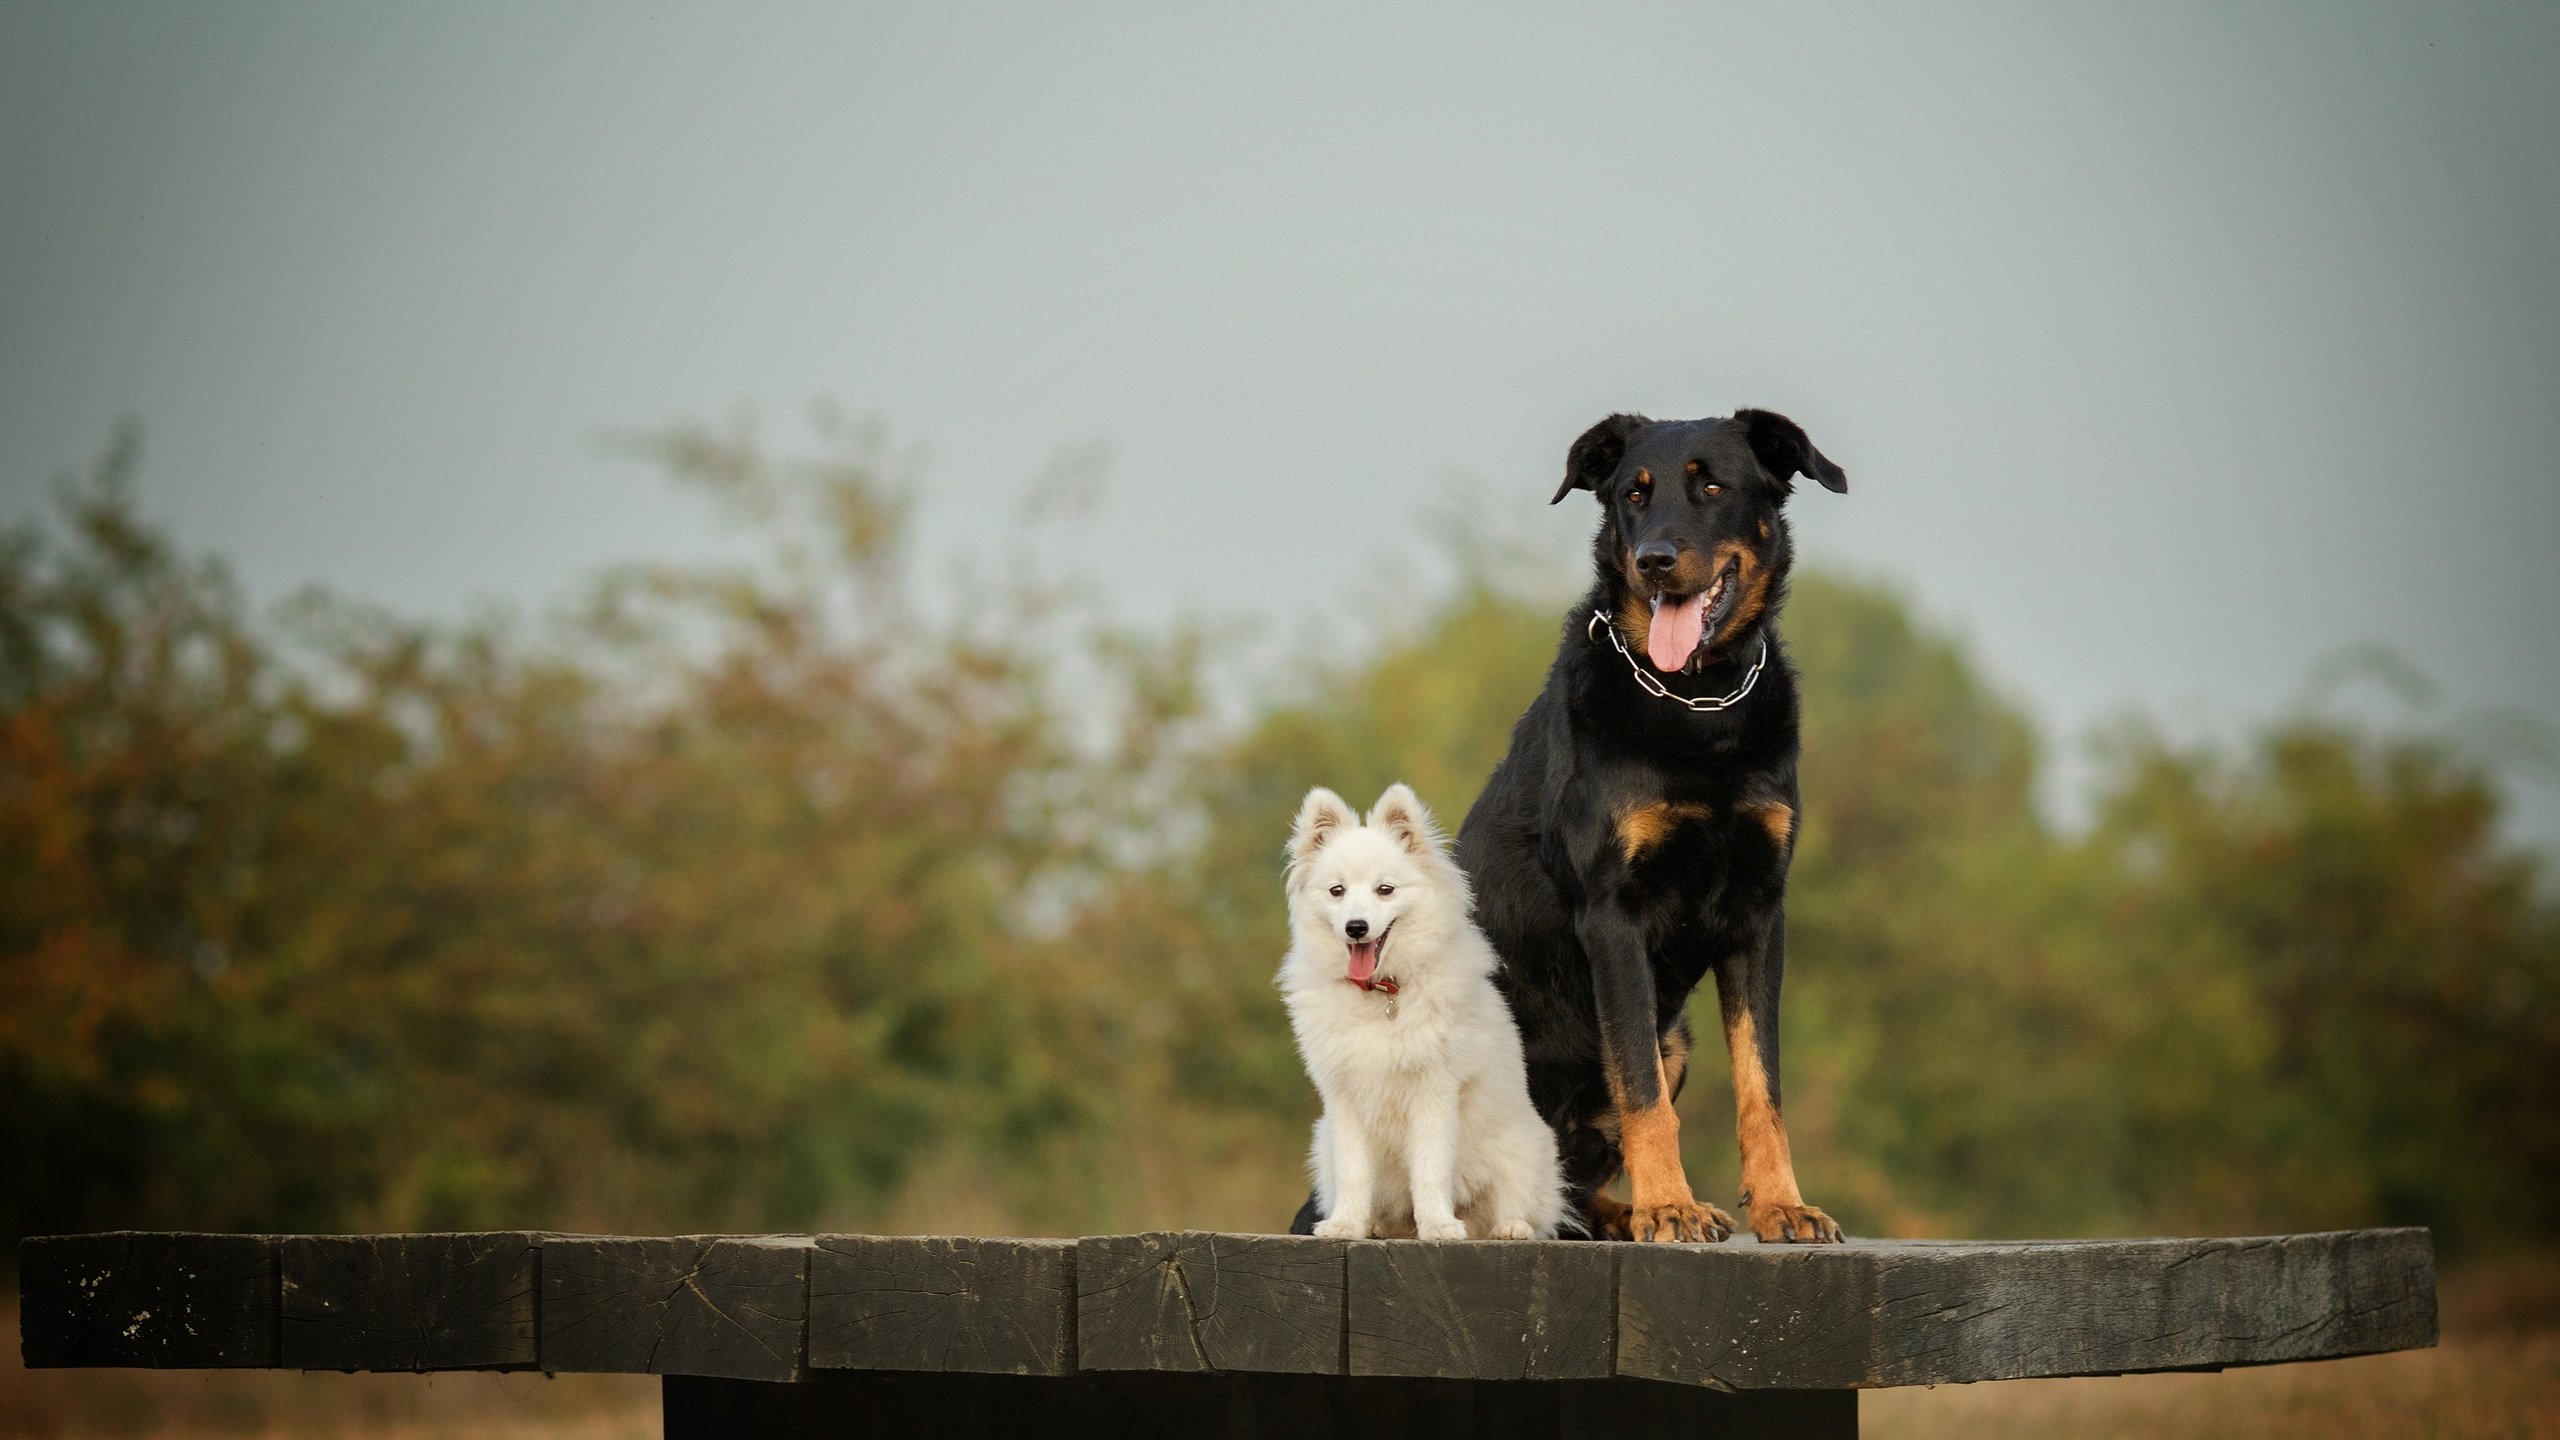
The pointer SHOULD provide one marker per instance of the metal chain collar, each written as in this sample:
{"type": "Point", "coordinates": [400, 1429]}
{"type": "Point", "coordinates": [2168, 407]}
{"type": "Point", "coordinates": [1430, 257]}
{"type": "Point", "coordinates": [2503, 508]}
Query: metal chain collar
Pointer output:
{"type": "Point", "coordinates": [1705, 704]}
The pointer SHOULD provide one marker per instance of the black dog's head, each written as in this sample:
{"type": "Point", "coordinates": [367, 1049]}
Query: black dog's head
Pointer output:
{"type": "Point", "coordinates": [1692, 550]}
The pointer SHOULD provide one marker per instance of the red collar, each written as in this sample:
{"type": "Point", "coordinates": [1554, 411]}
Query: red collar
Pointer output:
{"type": "Point", "coordinates": [1382, 985]}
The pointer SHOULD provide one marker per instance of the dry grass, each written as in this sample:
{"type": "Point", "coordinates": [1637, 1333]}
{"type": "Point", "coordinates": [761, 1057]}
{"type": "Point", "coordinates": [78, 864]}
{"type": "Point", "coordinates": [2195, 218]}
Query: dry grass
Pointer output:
{"type": "Point", "coordinates": [2496, 1376]}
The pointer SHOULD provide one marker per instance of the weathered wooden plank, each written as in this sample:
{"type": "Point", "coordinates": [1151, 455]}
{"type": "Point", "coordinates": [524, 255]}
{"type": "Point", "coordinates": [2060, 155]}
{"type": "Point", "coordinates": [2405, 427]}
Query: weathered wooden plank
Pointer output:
{"type": "Point", "coordinates": [1483, 1309]}
{"type": "Point", "coordinates": [162, 1301]}
{"type": "Point", "coordinates": [409, 1302]}
{"type": "Point", "coordinates": [693, 1305]}
{"type": "Point", "coordinates": [1868, 1314]}
{"type": "Point", "coordinates": [1239, 1406]}
{"type": "Point", "coordinates": [1194, 1300]}
{"type": "Point", "coordinates": [1002, 1307]}
{"type": "Point", "coordinates": [1735, 1316]}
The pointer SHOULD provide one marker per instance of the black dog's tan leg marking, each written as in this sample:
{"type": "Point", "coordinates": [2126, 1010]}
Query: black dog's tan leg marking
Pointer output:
{"type": "Point", "coordinates": [1646, 826]}
{"type": "Point", "coordinates": [1607, 1215]}
{"type": "Point", "coordinates": [1664, 1208]}
{"type": "Point", "coordinates": [1675, 1058]}
{"type": "Point", "coordinates": [1769, 1195]}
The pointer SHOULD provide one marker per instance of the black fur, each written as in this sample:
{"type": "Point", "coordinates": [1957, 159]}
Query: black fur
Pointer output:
{"type": "Point", "coordinates": [1600, 952]}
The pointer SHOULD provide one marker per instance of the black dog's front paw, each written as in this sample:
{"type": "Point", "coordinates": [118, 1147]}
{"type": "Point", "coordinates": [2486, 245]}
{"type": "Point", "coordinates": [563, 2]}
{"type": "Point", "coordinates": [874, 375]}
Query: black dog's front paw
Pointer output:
{"type": "Point", "coordinates": [1797, 1224]}
{"type": "Point", "coordinates": [1604, 1216]}
{"type": "Point", "coordinates": [1688, 1221]}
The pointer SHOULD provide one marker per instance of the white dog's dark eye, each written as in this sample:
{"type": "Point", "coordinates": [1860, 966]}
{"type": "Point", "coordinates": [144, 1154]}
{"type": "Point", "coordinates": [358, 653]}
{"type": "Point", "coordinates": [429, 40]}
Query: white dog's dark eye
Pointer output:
{"type": "Point", "coordinates": [1385, 891]}
{"type": "Point", "coordinates": [1335, 892]}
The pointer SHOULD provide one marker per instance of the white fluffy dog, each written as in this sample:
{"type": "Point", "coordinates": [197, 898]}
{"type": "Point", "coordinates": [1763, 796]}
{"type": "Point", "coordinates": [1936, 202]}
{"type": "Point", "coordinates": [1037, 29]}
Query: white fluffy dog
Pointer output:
{"type": "Point", "coordinates": [1427, 1126]}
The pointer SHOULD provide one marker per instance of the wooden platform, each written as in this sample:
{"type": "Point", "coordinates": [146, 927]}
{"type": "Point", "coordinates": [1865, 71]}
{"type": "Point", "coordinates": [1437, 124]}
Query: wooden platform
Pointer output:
{"type": "Point", "coordinates": [789, 1335]}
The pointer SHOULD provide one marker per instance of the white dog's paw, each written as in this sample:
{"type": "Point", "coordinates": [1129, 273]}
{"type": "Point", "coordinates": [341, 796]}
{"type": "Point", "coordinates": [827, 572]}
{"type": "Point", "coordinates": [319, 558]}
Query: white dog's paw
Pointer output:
{"type": "Point", "coordinates": [1515, 1230]}
{"type": "Point", "coordinates": [1341, 1227]}
{"type": "Point", "coordinates": [1451, 1228]}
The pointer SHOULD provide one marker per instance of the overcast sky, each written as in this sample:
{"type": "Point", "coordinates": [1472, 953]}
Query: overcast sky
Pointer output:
{"type": "Point", "coordinates": [2170, 348]}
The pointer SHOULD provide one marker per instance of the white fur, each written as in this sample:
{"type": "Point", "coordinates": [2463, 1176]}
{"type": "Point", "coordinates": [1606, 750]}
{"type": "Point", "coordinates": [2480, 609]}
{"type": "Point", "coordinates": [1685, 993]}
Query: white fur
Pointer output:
{"type": "Point", "coordinates": [1427, 1126]}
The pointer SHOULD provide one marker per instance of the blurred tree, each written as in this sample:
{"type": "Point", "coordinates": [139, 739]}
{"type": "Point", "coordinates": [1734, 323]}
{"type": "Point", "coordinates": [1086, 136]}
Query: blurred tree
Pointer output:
{"type": "Point", "coordinates": [701, 914]}
{"type": "Point", "coordinates": [144, 1072]}
{"type": "Point", "coordinates": [2358, 987]}
{"type": "Point", "coordinates": [1946, 1070]}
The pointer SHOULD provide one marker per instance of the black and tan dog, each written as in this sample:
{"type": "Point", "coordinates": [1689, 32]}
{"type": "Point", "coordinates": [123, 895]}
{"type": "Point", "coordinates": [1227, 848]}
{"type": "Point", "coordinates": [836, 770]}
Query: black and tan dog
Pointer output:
{"type": "Point", "coordinates": [1638, 833]}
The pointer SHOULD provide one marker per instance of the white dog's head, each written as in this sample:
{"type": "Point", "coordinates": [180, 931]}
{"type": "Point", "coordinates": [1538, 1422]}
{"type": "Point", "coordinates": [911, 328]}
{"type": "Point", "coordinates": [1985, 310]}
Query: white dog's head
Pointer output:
{"type": "Point", "coordinates": [1380, 895]}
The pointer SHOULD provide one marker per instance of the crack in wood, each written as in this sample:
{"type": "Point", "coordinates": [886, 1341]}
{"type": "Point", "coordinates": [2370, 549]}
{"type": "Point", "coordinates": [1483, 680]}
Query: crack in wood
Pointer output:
{"type": "Point", "coordinates": [1190, 1307]}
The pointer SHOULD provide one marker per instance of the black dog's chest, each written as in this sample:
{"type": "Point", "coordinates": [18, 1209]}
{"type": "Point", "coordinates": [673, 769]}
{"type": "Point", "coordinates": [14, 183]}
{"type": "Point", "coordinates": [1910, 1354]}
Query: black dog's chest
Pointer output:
{"type": "Point", "coordinates": [1700, 867]}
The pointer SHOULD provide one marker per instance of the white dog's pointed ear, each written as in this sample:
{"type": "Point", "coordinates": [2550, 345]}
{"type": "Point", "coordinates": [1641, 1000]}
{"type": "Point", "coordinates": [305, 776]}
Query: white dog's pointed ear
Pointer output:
{"type": "Point", "coordinates": [1402, 814]}
{"type": "Point", "coordinates": [1321, 816]}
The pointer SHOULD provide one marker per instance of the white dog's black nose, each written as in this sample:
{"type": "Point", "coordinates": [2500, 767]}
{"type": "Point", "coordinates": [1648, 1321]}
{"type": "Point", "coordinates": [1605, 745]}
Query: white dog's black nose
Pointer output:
{"type": "Point", "coordinates": [1356, 929]}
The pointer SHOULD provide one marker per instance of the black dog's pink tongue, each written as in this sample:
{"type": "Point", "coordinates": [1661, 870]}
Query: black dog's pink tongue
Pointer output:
{"type": "Point", "coordinates": [1674, 634]}
{"type": "Point", "coordinates": [1364, 960]}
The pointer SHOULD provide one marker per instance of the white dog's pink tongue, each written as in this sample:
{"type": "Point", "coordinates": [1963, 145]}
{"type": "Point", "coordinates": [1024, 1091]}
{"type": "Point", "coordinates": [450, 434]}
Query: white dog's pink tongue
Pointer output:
{"type": "Point", "coordinates": [1364, 960]}
{"type": "Point", "coordinates": [1676, 624]}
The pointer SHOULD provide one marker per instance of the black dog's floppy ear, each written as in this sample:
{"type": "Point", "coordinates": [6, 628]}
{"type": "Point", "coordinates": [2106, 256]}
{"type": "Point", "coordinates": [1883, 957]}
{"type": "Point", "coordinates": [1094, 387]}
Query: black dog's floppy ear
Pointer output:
{"type": "Point", "coordinates": [1595, 456]}
{"type": "Point", "coordinates": [1783, 451]}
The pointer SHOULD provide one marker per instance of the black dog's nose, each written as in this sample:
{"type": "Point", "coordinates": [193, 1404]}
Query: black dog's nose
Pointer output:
{"type": "Point", "coordinates": [1356, 929]}
{"type": "Point", "coordinates": [1656, 557]}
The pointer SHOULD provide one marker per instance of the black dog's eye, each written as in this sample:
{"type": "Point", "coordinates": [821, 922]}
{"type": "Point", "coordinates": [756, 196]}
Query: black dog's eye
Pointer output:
{"type": "Point", "coordinates": [1636, 498]}
{"type": "Point", "coordinates": [1335, 892]}
{"type": "Point", "coordinates": [1385, 890]}
{"type": "Point", "coordinates": [1714, 490]}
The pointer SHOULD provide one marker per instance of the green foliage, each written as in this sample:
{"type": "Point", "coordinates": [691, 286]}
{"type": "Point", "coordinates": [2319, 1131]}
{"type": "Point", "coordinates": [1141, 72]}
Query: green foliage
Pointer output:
{"type": "Point", "coordinates": [1944, 1068]}
{"type": "Point", "coordinates": [753, 898]}
{"type": "Point", "coordinates": [698, 915]}
{"type": "Point", "coordinates": [2391, 974]}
